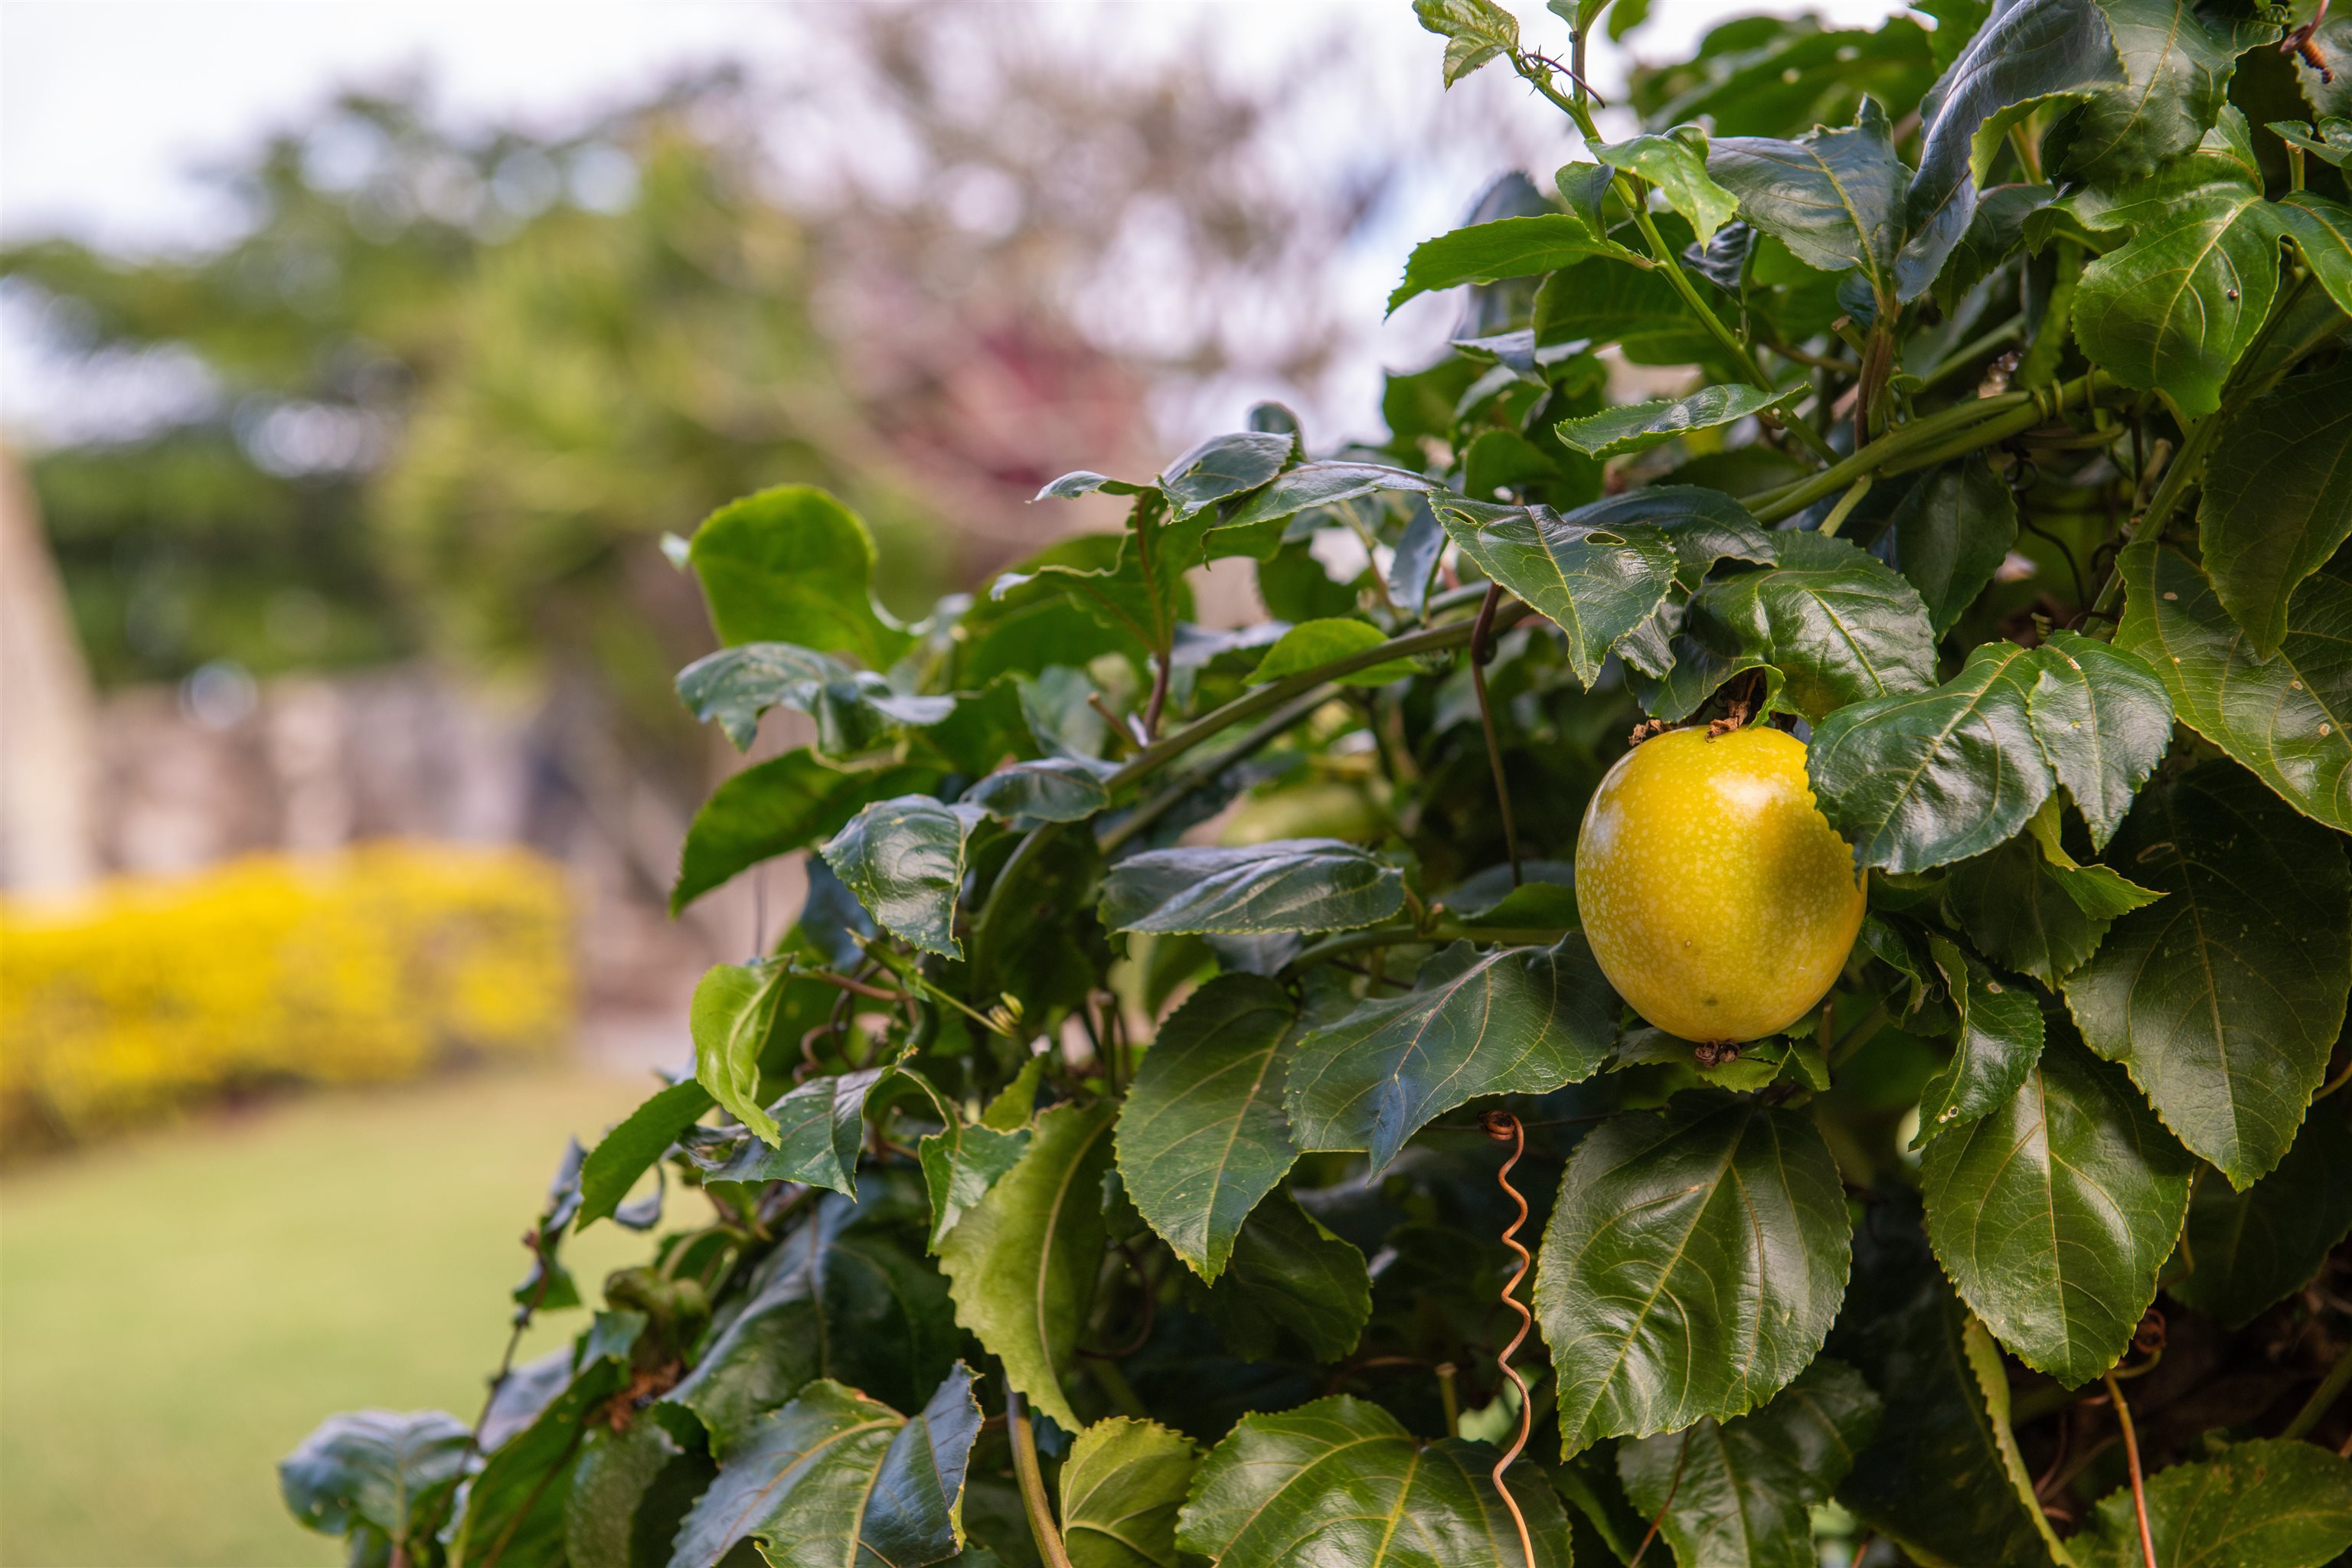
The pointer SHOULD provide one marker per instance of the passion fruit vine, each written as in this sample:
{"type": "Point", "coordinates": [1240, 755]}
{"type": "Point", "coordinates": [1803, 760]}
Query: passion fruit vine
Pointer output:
{"type": "Point", "coordinates": [1716, 898]}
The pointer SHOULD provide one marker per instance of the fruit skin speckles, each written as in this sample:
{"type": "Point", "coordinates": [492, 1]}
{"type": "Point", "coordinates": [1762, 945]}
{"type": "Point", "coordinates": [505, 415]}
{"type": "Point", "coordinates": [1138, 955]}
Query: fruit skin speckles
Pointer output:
{"type": "Point", "coordinates": [1718, 900]}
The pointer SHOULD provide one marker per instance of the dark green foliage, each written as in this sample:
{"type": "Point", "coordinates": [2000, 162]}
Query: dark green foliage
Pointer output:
{"type": "Point", "coordinates": [1169, 998]}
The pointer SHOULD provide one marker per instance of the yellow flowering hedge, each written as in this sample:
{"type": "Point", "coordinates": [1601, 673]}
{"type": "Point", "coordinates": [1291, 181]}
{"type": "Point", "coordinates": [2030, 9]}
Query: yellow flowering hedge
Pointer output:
{"type": "Point", "coordinates": [369, 966]}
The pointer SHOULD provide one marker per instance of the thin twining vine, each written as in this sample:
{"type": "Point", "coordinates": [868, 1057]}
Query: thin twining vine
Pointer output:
{"type": "Point", "coordinates": [1504, 1128]}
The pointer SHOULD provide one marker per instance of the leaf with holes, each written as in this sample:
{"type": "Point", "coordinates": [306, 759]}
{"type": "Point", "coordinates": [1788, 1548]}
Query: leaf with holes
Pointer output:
{"type": "Point", "coordinates": [1595, 583]}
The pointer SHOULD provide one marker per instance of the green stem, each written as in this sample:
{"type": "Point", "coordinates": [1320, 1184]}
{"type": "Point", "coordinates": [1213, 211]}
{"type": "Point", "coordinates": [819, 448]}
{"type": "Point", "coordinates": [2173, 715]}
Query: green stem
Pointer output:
{"type": "Point", "coordinates": [2322, 1398]}
{"type": "Point", "coordinates": [1160, 805]}
{"type": "Point", "coordinates": [1968, 353]}
{"type": "Point", "coordinates": [1978, 422]}
{"type": "Point", "coordinates": [1113, 1382]}
{"type": "Point", "coordinates": [1844, 508]}
{"type": "Point", "coordinates": [2040, 365]}
{"type": "Point", "coordinates": [1033, 1483]}
{"type": "Point", "coordinates": [1273, 694]}
{"type": "Point", "coordinates": [1637, 203]}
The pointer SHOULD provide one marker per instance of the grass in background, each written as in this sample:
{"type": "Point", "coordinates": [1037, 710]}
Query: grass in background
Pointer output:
{"type": "Point", "coordinates": [178, 1310]}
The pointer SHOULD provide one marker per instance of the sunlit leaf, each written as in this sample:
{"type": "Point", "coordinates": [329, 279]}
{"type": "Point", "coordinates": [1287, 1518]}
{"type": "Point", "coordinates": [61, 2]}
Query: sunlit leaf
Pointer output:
{"type": "Point", "coordinates": [904, 859]}
{"type": "Point", "coordinates": [2269, 1503]}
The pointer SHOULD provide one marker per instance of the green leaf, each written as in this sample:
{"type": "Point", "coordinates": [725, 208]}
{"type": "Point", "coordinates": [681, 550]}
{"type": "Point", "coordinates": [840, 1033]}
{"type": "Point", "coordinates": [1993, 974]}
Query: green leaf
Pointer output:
{"type": "Point", "coordinates": [1021, 1263]}
{"type": "Point", "coordinates": [1596, 583]}
{"type": "Point", "coordinates": [1121, 1489]}
{"type": "Point", "coordinates": [1915, 782]}
{"type": "Point", "coordinates": [2278, 499]}
{"type": "Point", "coordinates": [734, 1007]}
{"type": "Point", "coordinates": [1705, 526]}
{"type": "Point", "coordinates": [1745, 1486]}
{"type": "Point", "coordinates": [1082, 597]}
{"type": "Point", "coordinates": [1993, 234]}
{"type": "Point", "coordinates": [960, 1164]}
{"type": "Point", "coordinates": [2322, 230]}
{"type": "Point", "coordinates": [1475, 31]}
{"type": "Point", "coordinates": [2330, 140]}
{"type": "Point", "coordinates": [845, 1296]}
{"type": "Point", "coordinates": [2104, 720]}
{"type": "Point", "coordinates": [1224, 465]}
{"type": "Point", "coordinates": [630, 1492]}
{"type": "Point", "coordinates": [512, 1507]}
{"type": "Point", "coordinates": [1939, 1478]}
{"type": "Point", "coordinates": [631, 1149]}
{"type": "Point", "coordinates": [1514, 1021]}
{"type": "Point", "coordinates": [791, 565]}
{"type": "Point", "coordinates": [2053, 1212]}
{"type": "Point", "coordinates": [836, 1478]}
{"type": "Point", "coordinates": [1289, 885]}
{"type": "Point", "coordinates": [810, 1135]}
{"type": "Point", "coordinates": [1602, 302]}
{"type": "Point", "coordinates": [1508, 248]}
{"type": "Point", "coordinates": [1834, 197]}
{"type": "Point", "coordinates": [2224, 1000]}
{"type": "Point", "coordinates": [1638, 427]}
{"type": "Point", "coordinates": [2270, 1504]}
{"type": "Point", "coordinates": [2019, 913]}
{"type": "Point", "coordinates": [854, 709]}
{"type": "Point", "coordinates": [1677, 163]}
{"type": "Point", "coordinates": [1312, 643]}
{"type": "Point", "coordinates": [2000, 1039]}
{"type": "Point", "coordinates": [379, 1469]}
{"type": "Point", "coordinates": [2178, 60]}
{"type": "Point", "coordinates": [1312, 485]}
{"type": "Point", "coordinates": [1693, 1264]}
{"type": "Point", "coordinates": [2099, 891]}
{"type": "Point", "coordinates": [2287, 717]}
{"type": "Point", "coordinates": [2029, 53]}
{"type": "Point", "coordinates": [1057, 789]}
{"type": "Point", "coordinates": [1203, 1137]}
{"type": "Point", "coordinates": [1839, 625]}
{"type": "Point", "coordinates": [1292, 1279]}
{"type": "Point", "coordinates": [2244, 1250]}
{"type": "Point", "coordinates": [1085, 482]}
{"type": "Point", "coordinates": [904, 859]}
{"type": "Point", "coordinates": [1340, 1481]}
{"type": "Point", "coordinates": [778, 806]}
{"type": "Point", "coordinates": [2174, 307]}
{"type": "Point", "coordinates": [1949, 534]}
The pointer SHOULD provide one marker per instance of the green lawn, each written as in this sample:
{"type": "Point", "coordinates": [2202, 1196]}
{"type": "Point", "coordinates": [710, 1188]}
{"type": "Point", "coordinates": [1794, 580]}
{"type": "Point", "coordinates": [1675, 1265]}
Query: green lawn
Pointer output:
{"type": "Point", "coordinates": [178, 1310]}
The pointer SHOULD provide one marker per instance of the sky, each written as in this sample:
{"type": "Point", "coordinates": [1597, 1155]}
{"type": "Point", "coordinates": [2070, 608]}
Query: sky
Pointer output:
{"type": "Point", "coordinates": [109, 106]}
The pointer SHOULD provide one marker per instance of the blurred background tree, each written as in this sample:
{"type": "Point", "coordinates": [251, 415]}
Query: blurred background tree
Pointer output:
{"type": "Point", "coordinates": [452, 385]}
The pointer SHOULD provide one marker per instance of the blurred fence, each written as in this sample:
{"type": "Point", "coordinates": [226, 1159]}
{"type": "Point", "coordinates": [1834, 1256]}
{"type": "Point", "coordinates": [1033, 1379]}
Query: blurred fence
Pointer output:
{"type": "Point", "coordinates": [366, 966]}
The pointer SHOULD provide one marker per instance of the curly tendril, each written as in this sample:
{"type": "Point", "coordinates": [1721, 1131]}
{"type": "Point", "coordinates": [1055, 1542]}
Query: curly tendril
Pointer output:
{"type": "Point", "coordinates": [1504, 1128]}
